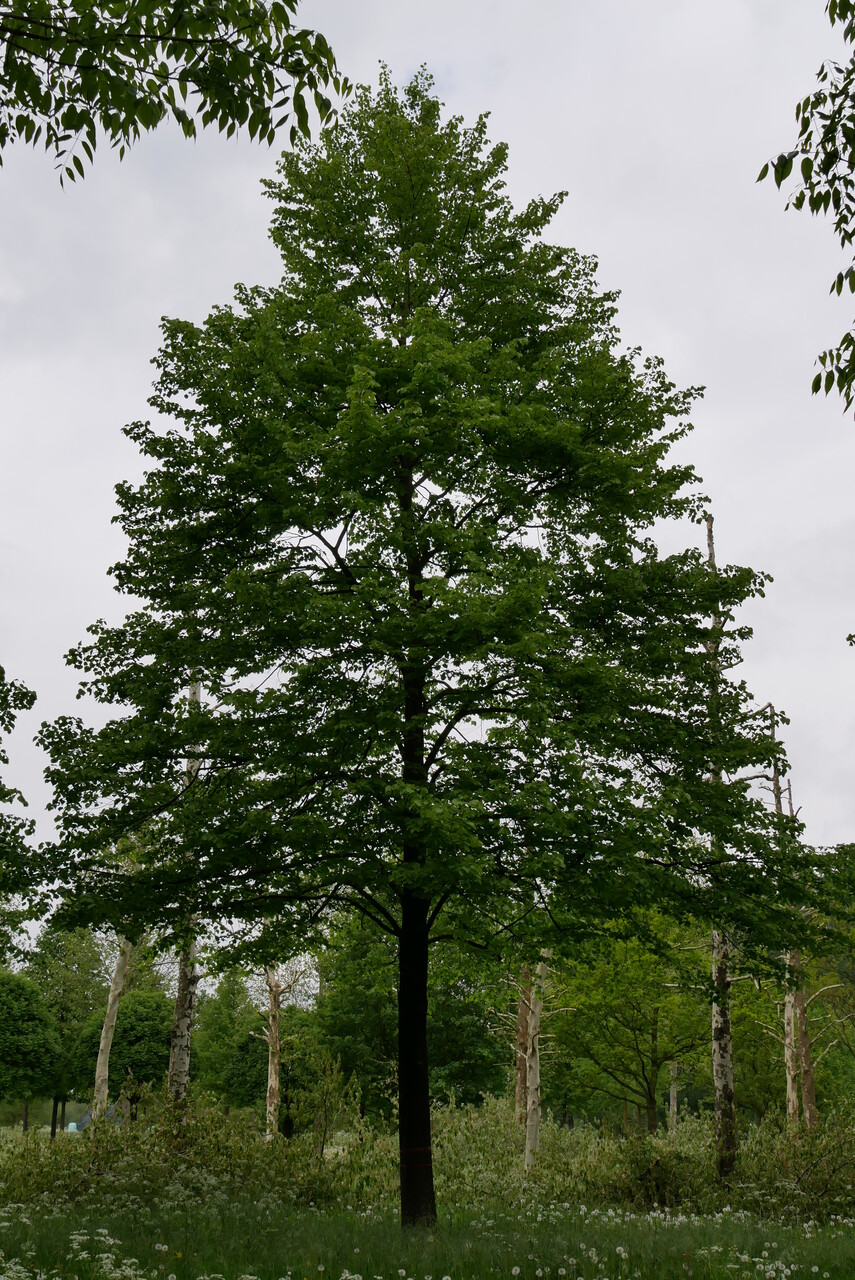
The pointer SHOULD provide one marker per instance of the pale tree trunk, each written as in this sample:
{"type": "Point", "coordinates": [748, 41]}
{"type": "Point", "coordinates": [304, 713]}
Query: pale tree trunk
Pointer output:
{"type": "Point", "coordinates": [520, 1108]}
{"type": "Point", "coordinates": [722, 1057]}
{"type": "Point", "coordinates": [674, 1071]}
{"type": "Point", "coordinates": [182, 1024]}
{"type": "Point", "coordinates": [102, 1067]}
{"type": "Point", "coordinates": [791, 1062]}
{"type": "Point", "coordinates": [274, 1050]}
{"type": "Point", "coordinates": [722, 1038]}
{"type": "Point", "coordinates": [532, 1062]}
{"type": "Point", "coordinates": [178, 1077]}
{"type": "Point", "coordinates": [809, 1107]}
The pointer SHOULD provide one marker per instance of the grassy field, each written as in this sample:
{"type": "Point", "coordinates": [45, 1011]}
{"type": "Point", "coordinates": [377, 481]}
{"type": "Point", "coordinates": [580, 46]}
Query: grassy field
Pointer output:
{"type": "Point", "coordinates": [200, 1194]}
{"type": "Point", "coordinates": [272, 1242]}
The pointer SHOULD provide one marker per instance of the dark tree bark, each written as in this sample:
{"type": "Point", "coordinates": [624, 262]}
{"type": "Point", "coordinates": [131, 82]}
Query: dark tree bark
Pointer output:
{"type": "Point", "coordinates": [26, 1124]}
{"type": "Point", "coordinates": [62, 1115]}
{"type": "Point", "coordinates": [53, 1116]}
{"type": "Point", "coordinates": [418, 1202]}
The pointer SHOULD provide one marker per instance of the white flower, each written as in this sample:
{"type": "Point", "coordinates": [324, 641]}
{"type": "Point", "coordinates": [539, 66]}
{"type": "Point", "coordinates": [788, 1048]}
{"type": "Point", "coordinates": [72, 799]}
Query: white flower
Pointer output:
{"type": "Point", "coordinates": [515, 1271]}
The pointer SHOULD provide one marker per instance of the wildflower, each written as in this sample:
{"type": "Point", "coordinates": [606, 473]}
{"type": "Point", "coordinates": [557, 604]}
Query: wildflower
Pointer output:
{"type": "Point", "coordinates": [515, 1271]}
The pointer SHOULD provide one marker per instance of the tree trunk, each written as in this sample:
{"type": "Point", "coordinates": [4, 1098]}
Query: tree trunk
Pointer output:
{"type": "Point", "coordinates": [418, 1201]}
{"type": "Point", "coordinates": [26, 1121]}
{"type": "Point", "coordinates": [53, 1116]}
{"type": "Point", "coordinates": [62, 1116]}
{"type": "Point", "coordinates": [523, 1006]}
{"type": "Point", "coordinates": [722, 1058]}
{"type": "Point", "coordinates": [655, 1065]}
{"type": "Point", "coordinates": [791, 1063]}
{"type": "Point", "coordinates": [182, 1024]}
{"type": "Point", "coordinates": [102, 1067]}
{"type": "Point", "coordinates": [809, 1107]}
{"type": "Point", "coordinates": [274, 1050]}
{"type": "Point", "coordinates": [532, 1062]}
{"type": "Point", "coordinates": [673, 1071]}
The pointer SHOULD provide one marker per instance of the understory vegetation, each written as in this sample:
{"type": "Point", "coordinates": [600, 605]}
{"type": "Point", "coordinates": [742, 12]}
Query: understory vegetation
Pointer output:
{"type": "Point", "coordinates": [202, 1194]}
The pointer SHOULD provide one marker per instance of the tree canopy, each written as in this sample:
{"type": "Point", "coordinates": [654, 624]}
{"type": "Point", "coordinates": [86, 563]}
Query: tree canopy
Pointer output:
{"type": "Point", "coordinates": [72, 66]}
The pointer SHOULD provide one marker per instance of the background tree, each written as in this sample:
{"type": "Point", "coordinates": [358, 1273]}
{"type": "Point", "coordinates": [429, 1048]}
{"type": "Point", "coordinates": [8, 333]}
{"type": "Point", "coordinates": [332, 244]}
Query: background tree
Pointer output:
{"type": "Point", "coordinates": [69, 971]}
{"type": "Point", "coordinates": [356, 1016]}
{"type": "Point", "coordinates": [29, 1044]}
{"type": "Point", "coordinates": [17, 866]}
{"type": "Point", "coordinates": [631, 1011]}
{"type": "Point", "coordinates": [140, 1048]}
{"type": "Point", "coordinates": [450, 678]}
{"type": "Point", "coordinates": [70, 66]}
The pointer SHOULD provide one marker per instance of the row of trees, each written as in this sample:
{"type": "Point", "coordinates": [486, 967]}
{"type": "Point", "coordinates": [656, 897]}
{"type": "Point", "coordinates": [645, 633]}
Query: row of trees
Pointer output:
{"type": "Point", "coordinates": [626, 1032]}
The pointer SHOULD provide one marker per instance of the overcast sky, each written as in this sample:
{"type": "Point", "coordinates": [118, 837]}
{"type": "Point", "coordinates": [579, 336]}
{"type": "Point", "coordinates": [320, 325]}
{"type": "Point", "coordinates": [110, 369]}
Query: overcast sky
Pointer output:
{"type": "Point", "coordinates": [656, 117]}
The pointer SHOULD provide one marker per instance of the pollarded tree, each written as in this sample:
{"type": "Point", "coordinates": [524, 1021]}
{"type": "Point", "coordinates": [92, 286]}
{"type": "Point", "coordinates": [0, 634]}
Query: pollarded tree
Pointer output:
{"type": "Point", "coordinates": [69, 66]}
{"type": "Point", "coordinates": [400, 533]}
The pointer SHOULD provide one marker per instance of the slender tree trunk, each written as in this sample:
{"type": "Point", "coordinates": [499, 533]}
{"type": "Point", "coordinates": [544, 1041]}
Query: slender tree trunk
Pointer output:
{"type": "Point", "coordinates": [53, 1116]}
{"type": "Point", "coordinates": [650, 1104]}
{"type": "Point", "coordinates": [62, 1116]}
{"type": "Point", "coordinates": [791, 1063]}
{"type": "Point", "coordinates": [418, 1200]}
{"type": "Point", "coordinates": [274, 1050]}
{"type": "Point", "coordinates": [26, 1121]}
{"type": "Point", "coordinates": [523, 1007]}
{"type": "Point", "coordinates": [182, 1024]}
{"type": "Point", "coordinates": [809, 1107]}
{"type": "Point", "coordinates": [532, 1077]}
{"type": "Point", "coordinates": [722, 1057]}
{"type": "Point", "coordinates": [673, 1072]}
{"type": "Point", "coordinates": [102, 1067]}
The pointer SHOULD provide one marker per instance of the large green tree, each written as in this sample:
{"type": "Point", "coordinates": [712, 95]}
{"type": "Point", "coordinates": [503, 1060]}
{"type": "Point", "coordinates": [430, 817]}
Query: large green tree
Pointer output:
{"type": "Point", "coordinates": [68, 67]}
{"type": "Point", "coordinates": [400, 532]}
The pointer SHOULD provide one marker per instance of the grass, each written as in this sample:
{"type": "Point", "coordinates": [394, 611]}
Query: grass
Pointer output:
{"type": "Point", "coordinates": [201, 1195]}
{"type": "Point", "coordinates": [264, 1239]}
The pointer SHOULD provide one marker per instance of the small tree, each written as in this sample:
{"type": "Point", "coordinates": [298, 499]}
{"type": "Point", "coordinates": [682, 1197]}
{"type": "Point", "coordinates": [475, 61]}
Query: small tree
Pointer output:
{"type": "Point", "coordinates": [29, 1043]}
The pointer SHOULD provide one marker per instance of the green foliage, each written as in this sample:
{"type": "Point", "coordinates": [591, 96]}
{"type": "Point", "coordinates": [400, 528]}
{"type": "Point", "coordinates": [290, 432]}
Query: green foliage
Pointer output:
{"type": "Point", "coordinates": [140, 1050]}
{"type": "Point", "coordinates": [468, 1055]}
{"type": "Point", "coordinates": [70, 66]}
{"type": "Point", "coordinates": [69, 971]}
{"type": "Point", "coordinates": [824, 158]}
{"type": "Point", "coordinates": [629, 1012]}
{"type": "Point", "coordinates": [226, 1059]}
{"type": "Point", "coordinates": [212, 1161]}
{"type": "Point", "coordinates": [29, 1044]}
{"type": "Point", "coordinates": [410, 493]}
{"type": "Point", "coordinates": [16, 857]}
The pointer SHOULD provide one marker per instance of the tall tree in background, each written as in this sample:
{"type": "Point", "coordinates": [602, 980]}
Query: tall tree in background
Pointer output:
{"type": "Point", "coordinates": [824, 159]}
{"type": "Point", "coordinates": [16, 858]}
{"type": "Point", "coordinates": [68, 968]}
{"type": "Point", "coordinates": [68, 67]}
{"type": "Point", "coordinates": [401, 533]}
